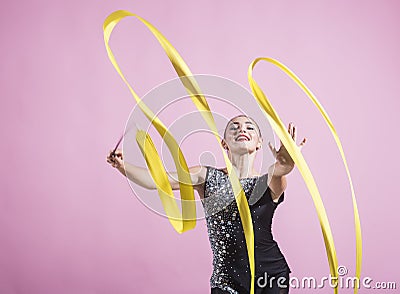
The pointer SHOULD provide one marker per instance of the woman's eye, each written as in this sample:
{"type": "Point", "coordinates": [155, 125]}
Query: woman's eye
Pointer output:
{"type": "Point", "coordinates": [250, 128]}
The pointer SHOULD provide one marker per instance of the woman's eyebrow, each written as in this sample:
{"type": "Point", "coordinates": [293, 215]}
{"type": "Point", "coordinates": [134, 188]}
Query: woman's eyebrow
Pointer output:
{"type": "Point", "coordinates": [247, 122]}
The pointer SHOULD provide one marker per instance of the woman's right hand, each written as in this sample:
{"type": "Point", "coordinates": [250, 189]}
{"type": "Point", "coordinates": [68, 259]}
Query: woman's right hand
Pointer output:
{"type": "Point", "coordinates": [116, 159]}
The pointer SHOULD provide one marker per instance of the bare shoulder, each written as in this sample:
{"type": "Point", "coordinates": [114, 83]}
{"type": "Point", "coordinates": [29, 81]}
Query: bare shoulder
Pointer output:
{"type": "Point", "coordinates": [198, 174]}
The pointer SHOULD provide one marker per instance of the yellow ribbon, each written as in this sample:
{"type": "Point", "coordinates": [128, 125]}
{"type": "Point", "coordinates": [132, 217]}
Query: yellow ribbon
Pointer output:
{"type": "Point", "coordinates": [299, 160]}
{"type": "Point", "coordinates": [187, 219]}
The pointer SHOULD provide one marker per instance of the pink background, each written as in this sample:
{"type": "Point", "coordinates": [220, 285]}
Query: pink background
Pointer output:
{"type": "Point", "coordinates": [71, 224]}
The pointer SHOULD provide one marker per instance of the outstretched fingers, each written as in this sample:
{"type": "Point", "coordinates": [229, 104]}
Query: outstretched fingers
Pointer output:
{"type": "Point", "coordinates": [292, 130]}
{"type": "Point", "coordinates": [272, 148]}
{"type": "Point", "coordinates": [302, 143]}
{"type": "Point", "coordinates": [294, 134]}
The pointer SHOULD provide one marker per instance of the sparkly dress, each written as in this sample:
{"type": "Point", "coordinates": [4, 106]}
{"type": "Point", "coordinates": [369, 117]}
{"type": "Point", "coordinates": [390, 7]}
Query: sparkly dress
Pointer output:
{"type": "Point", "coordinates": [231, 270]}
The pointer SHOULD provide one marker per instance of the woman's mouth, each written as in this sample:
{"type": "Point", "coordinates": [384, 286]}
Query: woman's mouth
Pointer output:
{"type": "Point", "coordinates": [242, 138]}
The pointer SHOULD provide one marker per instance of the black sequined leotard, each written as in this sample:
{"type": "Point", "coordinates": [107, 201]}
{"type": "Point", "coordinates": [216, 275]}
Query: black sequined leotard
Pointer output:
{"type": "Point", "coordinates": [231, 271]}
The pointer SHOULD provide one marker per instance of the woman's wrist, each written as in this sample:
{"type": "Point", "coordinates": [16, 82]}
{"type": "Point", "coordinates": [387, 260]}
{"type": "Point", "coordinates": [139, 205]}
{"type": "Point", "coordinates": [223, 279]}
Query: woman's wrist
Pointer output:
{"type": "Point", "coordinates": [121, 169]}
{"type": "Point", "coordinates": [274, 171]}
{"type": "Point", "coordinates": [278, 171]}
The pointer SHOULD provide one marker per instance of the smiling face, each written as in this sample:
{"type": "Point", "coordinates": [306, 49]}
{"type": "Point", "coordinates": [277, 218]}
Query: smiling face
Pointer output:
{"type": "Point", "coordinates": [242, 135]}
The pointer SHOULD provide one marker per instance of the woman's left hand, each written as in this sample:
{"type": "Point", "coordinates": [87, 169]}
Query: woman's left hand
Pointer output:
{"type": "Point", "coordinates": [284, 163]}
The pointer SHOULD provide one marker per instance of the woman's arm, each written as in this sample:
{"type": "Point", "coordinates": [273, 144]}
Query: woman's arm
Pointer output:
{"type": "Point", "coordinates": [277, 182]}
{"type": "Point", "coordinates": [142, 177]}
{"type": "Point", "coordinates": [284, 165]}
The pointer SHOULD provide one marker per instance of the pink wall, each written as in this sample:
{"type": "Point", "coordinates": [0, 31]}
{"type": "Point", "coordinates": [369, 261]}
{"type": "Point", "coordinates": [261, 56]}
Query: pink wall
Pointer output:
{"type": "Point", "coordinates": [70, 224]}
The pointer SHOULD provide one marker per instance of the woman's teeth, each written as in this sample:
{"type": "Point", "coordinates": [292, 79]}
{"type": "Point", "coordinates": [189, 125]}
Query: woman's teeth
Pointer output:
{"type": "Point", "coordinates": [242, 138]}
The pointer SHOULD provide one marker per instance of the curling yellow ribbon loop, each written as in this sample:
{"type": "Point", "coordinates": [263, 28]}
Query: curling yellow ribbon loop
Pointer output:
{"type": "Point", "coordinates": [152, 159]}
{"type": "Point", "coordinates": [301, 164]}
{"type": "Point", "coordinates": [160, 177]}
{"type": "Point", "coordinates": [188, 221]}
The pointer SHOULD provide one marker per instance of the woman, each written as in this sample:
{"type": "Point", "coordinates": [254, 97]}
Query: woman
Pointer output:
{"type": "Point", "coordinates": [231, 271]}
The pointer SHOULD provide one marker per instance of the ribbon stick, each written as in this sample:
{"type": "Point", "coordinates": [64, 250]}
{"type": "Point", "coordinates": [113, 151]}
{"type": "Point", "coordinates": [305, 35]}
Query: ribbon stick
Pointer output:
{"type": "Point", "coordinates": [301, 164]}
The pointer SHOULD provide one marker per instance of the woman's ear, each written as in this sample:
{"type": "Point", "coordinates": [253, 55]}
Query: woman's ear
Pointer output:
{"type": "Point", "coordinates": [224, 145]}
{"type": "Point", "coordinates": [259, 145]}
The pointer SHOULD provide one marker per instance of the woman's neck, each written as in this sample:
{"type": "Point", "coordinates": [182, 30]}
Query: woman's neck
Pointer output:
{"type": "Point", "coordinates": [243, 164]}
